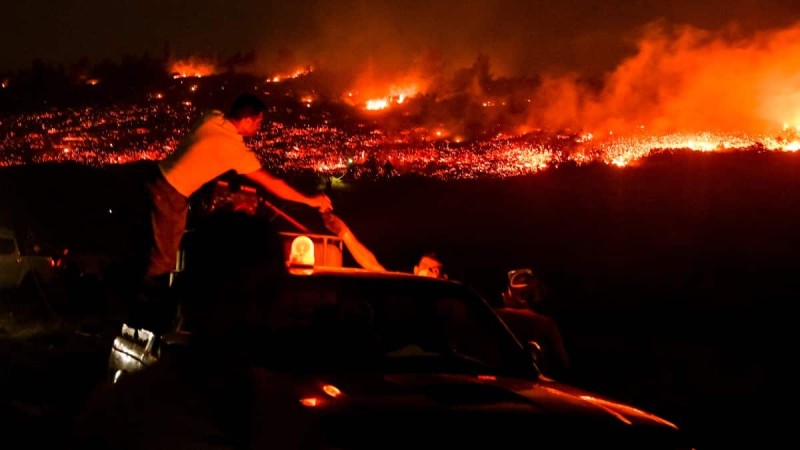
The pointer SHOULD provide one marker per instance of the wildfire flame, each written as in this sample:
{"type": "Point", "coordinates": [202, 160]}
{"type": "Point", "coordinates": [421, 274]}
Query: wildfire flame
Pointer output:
{"type": "Point", "coordinates": [191, 68]}
{"type": "Point", "coordinates": [297, 73]}
{"type": "Point", "coordinates": [372, 92]}
{"type": "Point", "coordinates": [397, 97]}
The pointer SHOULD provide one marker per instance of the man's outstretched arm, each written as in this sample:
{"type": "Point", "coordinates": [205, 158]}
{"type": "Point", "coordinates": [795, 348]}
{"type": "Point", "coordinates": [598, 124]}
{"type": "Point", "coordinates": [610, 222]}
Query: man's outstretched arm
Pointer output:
{"type": "Point", "coordinates": [282, 189]}
{"type": "Point", "coordinates": [360, 252]}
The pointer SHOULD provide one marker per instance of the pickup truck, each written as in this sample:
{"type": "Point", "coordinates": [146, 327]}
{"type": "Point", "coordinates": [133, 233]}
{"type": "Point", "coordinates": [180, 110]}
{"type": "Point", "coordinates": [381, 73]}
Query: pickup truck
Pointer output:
{"type": "Point", "coordinates": [18, 268]}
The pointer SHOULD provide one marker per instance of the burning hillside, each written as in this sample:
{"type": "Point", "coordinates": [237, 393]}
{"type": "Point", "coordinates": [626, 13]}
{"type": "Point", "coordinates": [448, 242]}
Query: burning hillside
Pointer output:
{"type": "Point", "coordinates": [684, 89]}
{"type": "Point", "coordinates": [678, 81]}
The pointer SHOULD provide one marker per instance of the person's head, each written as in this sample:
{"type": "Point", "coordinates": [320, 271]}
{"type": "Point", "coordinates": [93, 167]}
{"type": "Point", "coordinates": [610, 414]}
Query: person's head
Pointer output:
{"type": "Point", "coordinates": [234, 267]}
{"type": "Point", "coordinates": [246, 113]}
{"type": "Point", "coordinates": [430, 265]}
{"type": "Point", "coordinates": [524, 290]}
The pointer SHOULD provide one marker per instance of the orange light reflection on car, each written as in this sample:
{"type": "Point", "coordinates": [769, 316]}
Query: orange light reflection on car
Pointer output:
{"type": "Point", "coordinates": [309, 401]}
{"type": "Point", "coordinates": [331, 390]}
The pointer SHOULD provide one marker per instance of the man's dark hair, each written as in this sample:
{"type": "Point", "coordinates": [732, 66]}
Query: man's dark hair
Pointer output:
{"type": "Point", "coordinates": [432, 255]}
{"type": "Point", "coordinates": [246, 105]}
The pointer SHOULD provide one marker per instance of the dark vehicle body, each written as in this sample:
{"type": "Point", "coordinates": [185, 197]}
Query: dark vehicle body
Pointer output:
{"type": "Point", "coordinates": [390, 360]}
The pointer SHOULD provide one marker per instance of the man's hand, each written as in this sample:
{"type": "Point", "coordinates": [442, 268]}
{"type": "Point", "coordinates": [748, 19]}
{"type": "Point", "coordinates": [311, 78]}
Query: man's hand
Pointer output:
{"type": "Point", "coordinates": [321, 202]}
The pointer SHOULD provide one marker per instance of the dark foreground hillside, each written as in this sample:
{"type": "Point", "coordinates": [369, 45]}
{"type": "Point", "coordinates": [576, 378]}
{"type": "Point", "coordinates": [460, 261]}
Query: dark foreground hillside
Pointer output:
{"type": "Point", "coordinates": [670, 280]}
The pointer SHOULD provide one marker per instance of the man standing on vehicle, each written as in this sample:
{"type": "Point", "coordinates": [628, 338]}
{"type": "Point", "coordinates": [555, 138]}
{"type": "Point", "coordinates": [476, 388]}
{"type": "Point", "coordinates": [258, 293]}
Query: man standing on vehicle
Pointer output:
{"type": "Point", "coordinates": [206, 393]}
{"type": "Point", "coordinates": [214, 145]}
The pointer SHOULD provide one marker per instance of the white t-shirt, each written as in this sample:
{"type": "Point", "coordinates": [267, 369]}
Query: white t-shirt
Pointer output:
{"type": "Point", "coordinates": [212, 147]}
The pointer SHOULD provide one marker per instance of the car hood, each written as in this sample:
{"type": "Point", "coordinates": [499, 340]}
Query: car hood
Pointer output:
{"type": "Point", "coordinates": [465, 409]}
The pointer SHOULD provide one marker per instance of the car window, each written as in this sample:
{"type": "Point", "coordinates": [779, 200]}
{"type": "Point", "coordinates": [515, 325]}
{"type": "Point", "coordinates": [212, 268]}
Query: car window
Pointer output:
{"type": "Point", "coordinates": [352, 324]}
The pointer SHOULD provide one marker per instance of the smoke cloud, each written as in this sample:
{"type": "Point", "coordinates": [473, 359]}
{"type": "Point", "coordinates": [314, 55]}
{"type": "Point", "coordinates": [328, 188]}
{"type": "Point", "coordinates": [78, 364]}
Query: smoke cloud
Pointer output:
{"type": "Point", "coordinates": [462, 56]}
{"type": "Point", "coordinates": [686, 80]}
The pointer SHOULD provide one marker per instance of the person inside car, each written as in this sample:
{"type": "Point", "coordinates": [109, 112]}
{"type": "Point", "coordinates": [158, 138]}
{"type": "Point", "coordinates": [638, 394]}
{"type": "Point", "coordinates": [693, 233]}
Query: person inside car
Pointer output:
{"type": "Point", "coordinates": [429, 264]}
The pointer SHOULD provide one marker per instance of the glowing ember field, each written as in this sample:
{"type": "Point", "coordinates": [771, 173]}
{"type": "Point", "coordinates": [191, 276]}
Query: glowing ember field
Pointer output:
{"type": "Point", "coordinates": [99, 137]}
{"type": "Point", "coordinates": [505, 156]}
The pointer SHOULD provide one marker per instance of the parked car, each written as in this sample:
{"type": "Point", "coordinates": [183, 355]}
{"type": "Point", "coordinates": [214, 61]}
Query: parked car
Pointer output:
{"type": "Point", "coordinates": [18, 267]}
{"type": "Point", "coordinates": [392, 360]}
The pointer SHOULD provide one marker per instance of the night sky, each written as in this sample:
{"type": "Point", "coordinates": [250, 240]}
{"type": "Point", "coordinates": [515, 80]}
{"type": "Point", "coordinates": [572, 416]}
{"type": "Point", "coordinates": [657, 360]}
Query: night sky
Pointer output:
{"type": "Point", "coordinates": [520, 37]}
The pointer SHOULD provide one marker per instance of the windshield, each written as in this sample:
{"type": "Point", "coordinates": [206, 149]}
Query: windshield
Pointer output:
{"type": "Point", "coordinates": [365, 324]}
